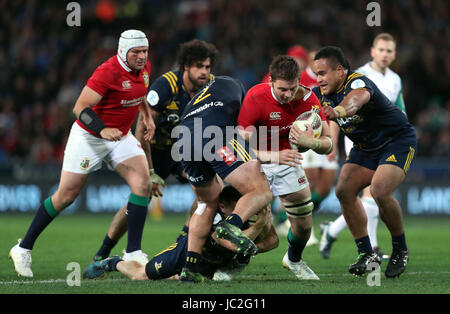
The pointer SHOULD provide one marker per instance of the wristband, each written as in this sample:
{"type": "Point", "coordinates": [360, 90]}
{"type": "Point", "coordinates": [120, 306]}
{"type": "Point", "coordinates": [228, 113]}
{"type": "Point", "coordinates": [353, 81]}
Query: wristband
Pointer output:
{"type": "Point", "coordinates": [331, 145]}
{"type": "Point", "coordinates": [341, 111]}
{"type": "Point", "coordinates": [91, 120]}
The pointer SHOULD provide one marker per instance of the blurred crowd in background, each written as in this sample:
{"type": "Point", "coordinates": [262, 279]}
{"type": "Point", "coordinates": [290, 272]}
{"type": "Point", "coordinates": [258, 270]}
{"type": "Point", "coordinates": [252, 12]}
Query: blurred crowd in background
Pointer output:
{"type": "Point", "coordinates": [45, 63]}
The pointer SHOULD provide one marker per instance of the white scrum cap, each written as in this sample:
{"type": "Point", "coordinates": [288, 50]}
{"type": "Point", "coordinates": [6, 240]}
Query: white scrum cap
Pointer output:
{"type": "Point", "coordinates": [130, 39]}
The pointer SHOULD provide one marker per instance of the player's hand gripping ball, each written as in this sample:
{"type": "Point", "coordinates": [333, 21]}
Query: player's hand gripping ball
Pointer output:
{"type": "Point", "coordinates": [313, 119]}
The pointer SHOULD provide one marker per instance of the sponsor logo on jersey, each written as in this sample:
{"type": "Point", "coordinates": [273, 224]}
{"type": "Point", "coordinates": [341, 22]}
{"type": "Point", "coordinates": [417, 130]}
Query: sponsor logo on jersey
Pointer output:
{"type": "Point", "coordinates": [357, 84]}
{"type": "Point", "coordinates": [132, 102]}
{"type": "Point", "coordinates": [126, 84]}
{"type": "Point", "coordinates": [275, 116]}
{"type": "Point", "coordinates": [194, 179]}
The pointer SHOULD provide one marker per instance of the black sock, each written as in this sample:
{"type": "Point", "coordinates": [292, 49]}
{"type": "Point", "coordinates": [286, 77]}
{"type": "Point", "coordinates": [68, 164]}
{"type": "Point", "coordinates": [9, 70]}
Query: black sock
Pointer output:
{"type": "Point", "coordinates": [296, 247]}
{"type": "Point", "coordinates": [136, 215]}
{"type": "Point", "coordinates": [112, 263]}
{"type": "Point", "coordinates": [45, 214]}
{"type": "Point", "coordinates": [399, 243]}
{"type": "Point", "coordinates": [192, 259]}
{"type": "Point", "coordinates": [107, 245]}
{"type": "Point", "coordinates": [235, 220]}
{"type": "Point", "coordinates": [364, 245]}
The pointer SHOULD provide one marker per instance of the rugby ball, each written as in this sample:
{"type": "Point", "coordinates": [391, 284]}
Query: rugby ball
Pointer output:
{"type": "Point", "coordinates": [313, 119]}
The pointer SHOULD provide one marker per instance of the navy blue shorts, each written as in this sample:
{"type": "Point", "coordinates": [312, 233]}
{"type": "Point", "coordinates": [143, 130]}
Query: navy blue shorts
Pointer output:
{"type": "Point", "coordinates": [224, 156]}
{"type": "Point", "coordinates": [170, 261]}
{"type": "Point", "coordinates": [164, 164]}
{"type": "Point", "coordinates": [399, 152]}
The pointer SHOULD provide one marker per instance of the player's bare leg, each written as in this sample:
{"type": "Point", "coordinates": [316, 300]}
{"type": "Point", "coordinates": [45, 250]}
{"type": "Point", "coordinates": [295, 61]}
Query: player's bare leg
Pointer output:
{"type": "Point", "coordinates": [385, 180]}
{"type": "Point", "coordinates": [132, 269]}
{"type": "Point", "coordinates": [352, 180]}
{"type": "Point", "coordinates": [251, 182]}
{"type": "Point", "coordinates": [70, 186]}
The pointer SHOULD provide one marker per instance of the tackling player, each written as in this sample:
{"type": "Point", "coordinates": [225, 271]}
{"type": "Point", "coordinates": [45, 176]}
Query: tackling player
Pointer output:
{"type": "Point", "coordinates": [168, 96]}
{"type": "Point", "coordinates": [384, 147]}
{"type": "Point", "coordinates": [105, 111]}
{"type": "Point", "coordinates": [390, 84]}
{"type": "Point", "coordinates": [209, 146]}
{"type": "Point", "coordinates": [276, 106]}
{"type": "Point", "coordinates": [214, 257]}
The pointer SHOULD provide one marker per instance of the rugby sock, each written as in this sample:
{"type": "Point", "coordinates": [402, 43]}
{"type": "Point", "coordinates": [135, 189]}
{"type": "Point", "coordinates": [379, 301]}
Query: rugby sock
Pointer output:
{"type": "Point", "coordinates": [45, 214]}
{"type": "Point", "coordinates": [136, 213]}
{"type": "Point", "coordinates": [337, 226]}
{"type": "Point", "coordinates": [235, 220]}
{"type": "Point", "coordinates": [107, 245]}
{"type": "Point", "coordinates": [364, 245]}
{"type": "Point", "coordinates": [399, 242]}
{"type": "Point", "coordinates": [296, 246]}
{"type": "Point", "coordinates": [113, 261]}
{"type": "Point", "coordinates": [372, 211]}
{"type": "Point", "coordinates": [192, 259]}
{"type": "Point", "coordinates": [316, 199]}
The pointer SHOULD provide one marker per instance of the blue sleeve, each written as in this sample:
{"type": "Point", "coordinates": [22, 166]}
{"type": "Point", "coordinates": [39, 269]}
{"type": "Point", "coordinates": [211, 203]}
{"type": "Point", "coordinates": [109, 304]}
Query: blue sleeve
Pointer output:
{"type": "Point", "coordinates": [359, 81]}
{"type": "Point", "coordinates": [161, 92]}
{"type": "Point", "coordinates": [316, 90]}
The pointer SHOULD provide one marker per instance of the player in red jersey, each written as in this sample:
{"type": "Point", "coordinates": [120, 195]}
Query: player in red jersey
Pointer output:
{"type": "Point", "coordinates": [105, 111]}
{"type": "Point", "coordinates": [276, 106]}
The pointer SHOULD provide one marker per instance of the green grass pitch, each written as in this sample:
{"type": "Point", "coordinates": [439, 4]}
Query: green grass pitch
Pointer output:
{"type": "Point", "coordinates": [76, 238]}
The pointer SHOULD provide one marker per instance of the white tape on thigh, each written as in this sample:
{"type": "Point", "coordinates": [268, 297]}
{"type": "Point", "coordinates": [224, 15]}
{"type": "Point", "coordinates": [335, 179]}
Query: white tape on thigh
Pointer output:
{"type": "Point", "coordinates": [201, 207]}
{"type": "Point", "coordinates": [299, 209]}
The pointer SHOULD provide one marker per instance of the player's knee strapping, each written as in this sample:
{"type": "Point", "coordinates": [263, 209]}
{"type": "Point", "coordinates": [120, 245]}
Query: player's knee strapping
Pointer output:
{"type": "Point", "coordinates": [299, 209]}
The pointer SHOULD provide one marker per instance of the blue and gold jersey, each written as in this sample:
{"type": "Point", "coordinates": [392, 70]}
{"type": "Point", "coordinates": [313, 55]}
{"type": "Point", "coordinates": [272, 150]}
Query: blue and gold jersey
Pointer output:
{"type": "Point", "coordinates": [169, 97]}
{"type": "Point", "coordinates": [218, 103]}
{"type": "Point", "coordinates": [376, 123]}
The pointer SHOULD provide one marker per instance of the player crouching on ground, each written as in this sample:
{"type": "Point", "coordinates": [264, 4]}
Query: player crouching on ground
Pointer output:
{"type": "Point", "coordinates": [216, 261]}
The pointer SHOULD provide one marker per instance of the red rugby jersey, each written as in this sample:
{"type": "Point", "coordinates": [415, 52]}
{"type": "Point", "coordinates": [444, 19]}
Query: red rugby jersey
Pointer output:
{"type": "Point", "coordinates": [122, 93]}
{"type": "Point", "coordinates": [261, 108]}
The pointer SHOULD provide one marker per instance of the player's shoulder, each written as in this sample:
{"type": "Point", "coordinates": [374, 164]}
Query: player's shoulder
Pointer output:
{"type": "Point", "coordinates": [260, 89]}
{"type": "Point", "coordinates": [357, 80]}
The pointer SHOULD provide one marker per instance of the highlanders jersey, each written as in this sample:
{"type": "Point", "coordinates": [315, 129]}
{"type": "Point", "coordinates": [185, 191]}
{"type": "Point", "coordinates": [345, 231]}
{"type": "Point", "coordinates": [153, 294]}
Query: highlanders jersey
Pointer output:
{"type": "Point", "coordinates": [376, 123]}
{"type": "Point", "coordinates": [122, 91]}
{"type": "Point", "coordinates": [261, 108]}
{"type": "Point", "coordinates": [389, 83]}
{"type": "Point", "coordinates": [168, 96]}
{"type": "Point", "coordinates": [217, 103]}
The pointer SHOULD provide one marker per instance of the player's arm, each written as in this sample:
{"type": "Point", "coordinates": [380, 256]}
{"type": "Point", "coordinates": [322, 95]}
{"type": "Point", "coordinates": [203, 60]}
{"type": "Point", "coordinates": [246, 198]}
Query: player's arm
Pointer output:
{"type": "Point", "coordinates": [349, 105]}
{"type": "Point", "coordinates": [262, 232]}
{"type": "Point", "coordinates": [321, 145]}
{"type": "Point", "coordinates": [334, 131]}
{"type": "Point", "coordinates": [84, 113]}
{"type": "Point", "coordinates": [288, 157]}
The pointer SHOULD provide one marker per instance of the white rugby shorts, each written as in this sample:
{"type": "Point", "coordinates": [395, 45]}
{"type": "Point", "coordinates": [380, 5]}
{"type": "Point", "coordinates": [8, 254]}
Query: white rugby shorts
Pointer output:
{"type": "Point", "coordinates": [285, 179]}
{"type": "Point", "coordinates": [311, 159]}
{"type": "Point", "coordinates": [84, 152]}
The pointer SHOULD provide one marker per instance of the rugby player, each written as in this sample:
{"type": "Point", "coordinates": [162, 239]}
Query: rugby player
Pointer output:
{"type": "Point", "coordinates": [210, 147]}
{"type": "Point", "coordinates": [383, 54]}
{"type": "Point", "coordinates": [105, 111]}
{"type": "Point", "coordinates": [167, 96]}
{"type": "Point", "coordinates": [216, 261]}
{"type": "Point", "coordinates": [277, 105]}
{"type": "Point", "coordinates": [384, 145]}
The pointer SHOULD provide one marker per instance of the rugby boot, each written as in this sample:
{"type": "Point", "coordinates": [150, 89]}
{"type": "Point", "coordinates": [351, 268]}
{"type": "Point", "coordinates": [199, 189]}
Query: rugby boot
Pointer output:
{"type": "Point", "coordinates": [397, 263]}
{"type": "Point", "coordinates": [363, 263]}
{"type": "Point", "coordinates": [227, 231]}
